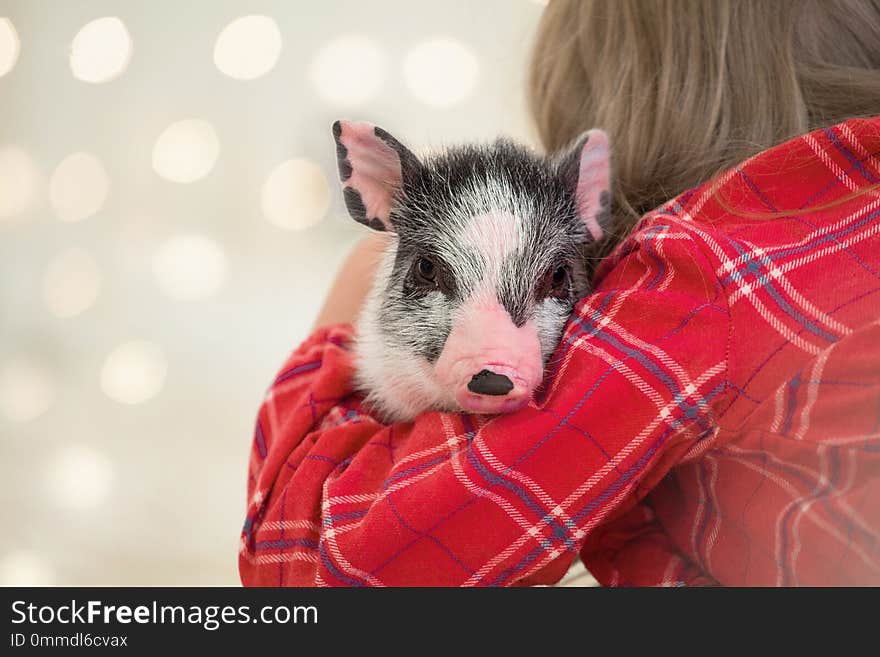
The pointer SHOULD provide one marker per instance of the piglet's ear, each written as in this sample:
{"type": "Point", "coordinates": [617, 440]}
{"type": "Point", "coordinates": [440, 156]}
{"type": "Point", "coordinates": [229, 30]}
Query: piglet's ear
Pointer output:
{"type": "Point", "coordinates": [372, 168]}
{"type": "Point", "coordinates": [587, 167]}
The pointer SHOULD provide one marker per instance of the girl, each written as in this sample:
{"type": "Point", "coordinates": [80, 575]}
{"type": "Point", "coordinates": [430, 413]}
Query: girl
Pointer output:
{"type": "Point", "coordinates": [714, 417]}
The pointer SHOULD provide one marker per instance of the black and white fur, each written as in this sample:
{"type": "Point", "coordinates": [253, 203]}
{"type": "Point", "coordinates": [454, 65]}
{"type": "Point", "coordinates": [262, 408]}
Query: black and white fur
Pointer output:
{"type": "Point", "coordinates": [534, 259]}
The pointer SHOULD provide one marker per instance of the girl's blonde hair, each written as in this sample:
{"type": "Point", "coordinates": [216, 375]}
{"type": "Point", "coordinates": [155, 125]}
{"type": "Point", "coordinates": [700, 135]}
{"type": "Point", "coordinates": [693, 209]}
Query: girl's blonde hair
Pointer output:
{"type": "Point", "coordinates": [687, 88]}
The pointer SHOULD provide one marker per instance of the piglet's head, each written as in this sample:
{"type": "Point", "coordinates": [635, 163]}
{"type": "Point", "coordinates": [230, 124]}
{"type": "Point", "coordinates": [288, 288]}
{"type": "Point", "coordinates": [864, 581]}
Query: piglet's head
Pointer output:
{"type": "Point", "coordinates": [485, 263]}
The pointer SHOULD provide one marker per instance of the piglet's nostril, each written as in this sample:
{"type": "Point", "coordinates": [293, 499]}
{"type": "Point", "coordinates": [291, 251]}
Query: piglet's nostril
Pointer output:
{"type": "Point", "coordinates": [489, 383]}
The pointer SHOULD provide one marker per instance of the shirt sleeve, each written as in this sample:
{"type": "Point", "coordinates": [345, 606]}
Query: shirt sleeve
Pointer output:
{"type": "Point", "coordinates": [337, 498]}
{"type": "Point", "coordinates": [634, 549]}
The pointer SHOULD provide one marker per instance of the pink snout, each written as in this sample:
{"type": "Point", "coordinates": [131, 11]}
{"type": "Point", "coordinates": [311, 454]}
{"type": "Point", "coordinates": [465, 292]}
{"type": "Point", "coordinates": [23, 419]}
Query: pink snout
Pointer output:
{"type": "Point", "coordinates": [488, 364]}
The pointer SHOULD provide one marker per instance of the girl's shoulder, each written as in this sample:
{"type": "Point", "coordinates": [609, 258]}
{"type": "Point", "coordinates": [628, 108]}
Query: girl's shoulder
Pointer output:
{"type": "Point", "coordinates": [791, 201]}
{"type": "Point", "coordinates": [790, 241]}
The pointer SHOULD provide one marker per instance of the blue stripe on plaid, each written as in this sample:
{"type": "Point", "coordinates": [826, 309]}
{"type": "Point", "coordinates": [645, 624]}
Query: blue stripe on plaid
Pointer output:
{"type": "Point", "coordinates": [613, 488]}
{"type": "Point", "coordinates": [790, 403]}
{"type": "Point", "coordinates": [260, 440]}
{"type": "Point", "coordinates": [753, 265]}
{"type": "Point", "coordinates": [832, 236]}
{"type": "Point", "coordinates": [287, 543]}
{"type": "Point", "coordinates": [508, 573]}
{"type": "Point", "coordinates": [282, 506]}
{"type": "Point", "coordinates": [690, 411]}
{"type": "Point", "coordinates": [708, 510]}
{"type": "Point", "coordinates": [711, 305]}
{"type": "Point", "coordinates": [673, 427]}
{"type": "Point", "coordinates": [535, 506]}
{"type": "Point", "coordinates": [319, 457]}
{"type": "Point", "coordinates": [653, 366]}
{"type": "Point", "coordinates": [419, 536]}
{"type": "Point", "coordinates": [569, 338]}
{"type": "Point", "coordinates": [342, 517]}
{"type": "Point", "coordinates": [585, 328]}
{"type": "Point", "coordinates": [789, 310]}
{"type": "Point", "coordinates": [742, 393]}
{"type": "Point", "coordinates": [818, 492]}
{"type": "Point", "coordinates": [846, 249]}
{"type": "Point", "coordinates": [415, 469]}
{"type": "Point", "coordinates": [331, 567]}
{"type": "Point", "coordinates": [469, 436]}
{"type": "Point", "coordinates": [652, 254]}
{"type": "Point", "coordinates": [848, 154]}
{"type": "Point", "coordinates": [299, 369]}
{"type": "Point", "coordinates": [784, 343]}
{"type": "Point", "coordinates": [756, 190]}
{"type": "Point", "coordinates": [566, 421]}
{"type": "Point", "coordinates": [590, 325]}
{"type": "Point", "coordinates": [837, 181]}
{"type": "Point", "coordinates": [841, 519]}
{"type": "Point", "coordinates": [817, 240]}
{"type": "Point", "coordinates": [248, 531]}
{"type": "Point", "coordinates": [352, 416]}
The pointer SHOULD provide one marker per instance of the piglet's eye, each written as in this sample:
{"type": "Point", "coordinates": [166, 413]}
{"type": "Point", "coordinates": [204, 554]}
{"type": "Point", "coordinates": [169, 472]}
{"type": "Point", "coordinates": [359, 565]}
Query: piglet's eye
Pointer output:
{"type": "Point", "coordinates": [428, 275]}
{"type": "Point", "coordinates": [554, 283]}
{"type": "Point", "coordinates": [426, 270]}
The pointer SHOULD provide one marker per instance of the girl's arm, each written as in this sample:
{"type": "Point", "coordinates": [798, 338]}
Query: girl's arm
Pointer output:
{"type": "Point", "coordinates": [336, 498]}
{"type": "Point", "coordinates": [352, 282]}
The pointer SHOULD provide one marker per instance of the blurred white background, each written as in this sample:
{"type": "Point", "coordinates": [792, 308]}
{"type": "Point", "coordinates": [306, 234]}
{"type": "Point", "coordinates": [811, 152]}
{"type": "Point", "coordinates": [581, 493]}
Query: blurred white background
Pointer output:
{"type": "Point", "coordinates": [169, 224]}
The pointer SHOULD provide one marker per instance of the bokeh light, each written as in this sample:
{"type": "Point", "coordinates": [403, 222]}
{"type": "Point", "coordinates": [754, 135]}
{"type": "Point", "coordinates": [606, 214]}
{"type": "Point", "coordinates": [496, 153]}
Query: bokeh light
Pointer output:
{"type": "Point", "coordinates": [186, 151]}
{"type": "Point", "coordinates": [79, 478]}
{"type": "Point", "coordinates": [134, 372]}
{"type": "Point", "coordinates": [349, 70]}
{"type": "Point", "coordinates": [71, 283]}
{"type": "Point", "coordinates": [27, 389]}
{"type": "Point", "coordinates": [78, 187]}
{"type": "Point", "coordinates": [101, 50]}
{"type": "Point", "coordinates": [18, 181]}
{"type": "Point", "coordinates": [189, 267]}
{"type": "Point", "coordinates": [23, 568]}
{"type": "Point", "coordinates": [10, 46]}
{"type": "Point", "coordinates": [440, 72]}
{"type": "Point", "coordinates": [161, 164]}
{"type": "Point", "coordinates": [296, 195]}
{"type": "Point", "coordinates": [248, 47]}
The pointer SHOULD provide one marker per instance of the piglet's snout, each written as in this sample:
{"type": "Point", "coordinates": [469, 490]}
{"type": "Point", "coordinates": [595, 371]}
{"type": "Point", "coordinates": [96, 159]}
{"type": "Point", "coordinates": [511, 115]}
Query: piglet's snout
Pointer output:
{"type": "Point", "coordinates": [488, 364]}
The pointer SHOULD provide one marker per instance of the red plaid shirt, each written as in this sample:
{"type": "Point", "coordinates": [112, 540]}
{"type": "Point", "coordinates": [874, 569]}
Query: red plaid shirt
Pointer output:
{"type": "Point", "coordinates": [713, 415]}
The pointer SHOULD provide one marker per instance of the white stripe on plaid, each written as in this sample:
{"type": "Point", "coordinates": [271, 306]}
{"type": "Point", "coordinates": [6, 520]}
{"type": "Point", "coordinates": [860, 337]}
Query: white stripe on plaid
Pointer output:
{"type": "Point", "coordinates": [772, 319]}
{"type": "Point", "coordinates": [812, 391]}
{"type": "Point", "coordinates": [859, 148]}
{"type": "Point", "coordinates": [581, 491]}
{"type": "Point", "coordinates": [796, 498]}
{"type": "Point", "coordinates": [328, 538]}
{"type": "Point", "coordinates": [712, 536]}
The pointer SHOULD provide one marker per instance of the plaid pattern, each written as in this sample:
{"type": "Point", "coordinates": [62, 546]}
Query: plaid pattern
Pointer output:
{"type": "Point", "coordinates": [712, 415]}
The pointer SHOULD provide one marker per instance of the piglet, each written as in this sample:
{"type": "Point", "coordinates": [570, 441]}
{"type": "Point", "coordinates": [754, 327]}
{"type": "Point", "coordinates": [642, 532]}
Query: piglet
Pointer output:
{"type": "Point", "coordinates": [485, 262]}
